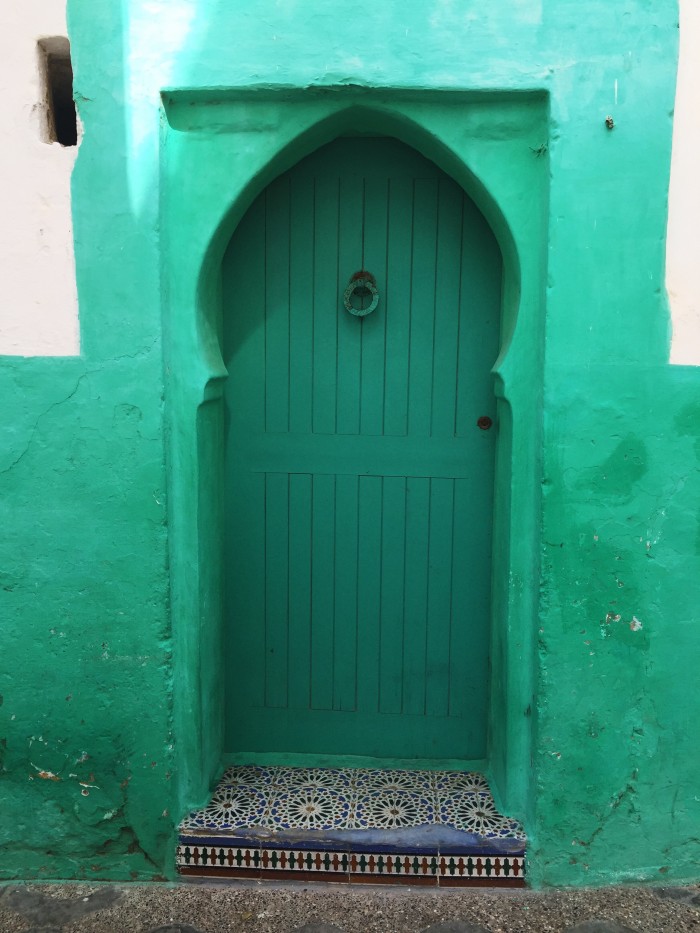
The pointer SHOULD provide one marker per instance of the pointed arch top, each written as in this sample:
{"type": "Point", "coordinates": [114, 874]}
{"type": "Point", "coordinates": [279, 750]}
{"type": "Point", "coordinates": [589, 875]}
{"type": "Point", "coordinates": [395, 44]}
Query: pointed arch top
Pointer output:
{"type": "Point", "coordinates": [365, 118]}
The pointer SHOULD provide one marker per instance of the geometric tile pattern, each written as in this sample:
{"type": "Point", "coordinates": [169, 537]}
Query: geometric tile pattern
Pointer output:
{"type": "Point", "coordinates": [411, 868]}
{"type": "Point", "coordinates": [303, 823]}
{"type": "Point", "coordinates": [278, 798]}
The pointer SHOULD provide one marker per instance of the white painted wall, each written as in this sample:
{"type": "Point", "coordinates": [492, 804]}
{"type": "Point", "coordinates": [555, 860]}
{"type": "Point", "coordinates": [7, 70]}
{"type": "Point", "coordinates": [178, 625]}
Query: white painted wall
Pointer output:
{"type": "Point", "coordinates": [38, 307]}
{"type": "Point", "coordinates": [683, 243]}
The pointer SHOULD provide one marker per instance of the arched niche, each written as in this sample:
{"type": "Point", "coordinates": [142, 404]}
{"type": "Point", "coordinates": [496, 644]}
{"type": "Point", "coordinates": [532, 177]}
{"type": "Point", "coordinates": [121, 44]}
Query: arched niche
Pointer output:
{"type": "Point", "coordinates": [220, 150]}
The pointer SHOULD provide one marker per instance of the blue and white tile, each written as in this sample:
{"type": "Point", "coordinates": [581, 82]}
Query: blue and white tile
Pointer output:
{"type": "Point", "coordinates": [279, 799]}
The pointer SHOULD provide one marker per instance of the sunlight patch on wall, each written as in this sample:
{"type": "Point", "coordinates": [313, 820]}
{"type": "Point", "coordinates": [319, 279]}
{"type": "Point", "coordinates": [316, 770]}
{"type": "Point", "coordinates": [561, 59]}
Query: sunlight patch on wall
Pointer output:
{"type": "Point", "coordinates": [683, 242]}
{"type": "Point", "coordinates": [39, 306]}
{"type": "Point", "coordinates": [156, 34]}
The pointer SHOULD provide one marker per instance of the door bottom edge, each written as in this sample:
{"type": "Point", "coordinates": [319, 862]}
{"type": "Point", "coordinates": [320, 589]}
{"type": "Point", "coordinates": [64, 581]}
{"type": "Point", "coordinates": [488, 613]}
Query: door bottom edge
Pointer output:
{"type": "Point", "coordinates": [315, 760]}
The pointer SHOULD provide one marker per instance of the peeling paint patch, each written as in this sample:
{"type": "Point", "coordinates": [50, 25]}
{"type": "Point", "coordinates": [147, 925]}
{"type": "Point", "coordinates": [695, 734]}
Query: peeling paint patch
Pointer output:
{"type": "Point", "coordinates": [635, 624]}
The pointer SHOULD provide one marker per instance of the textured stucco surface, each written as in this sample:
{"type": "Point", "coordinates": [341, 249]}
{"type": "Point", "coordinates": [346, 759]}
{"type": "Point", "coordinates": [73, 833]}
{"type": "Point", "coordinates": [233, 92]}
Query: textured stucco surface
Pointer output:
{"type": "Point", "coordinates": [87, 736]}
{"type": "Point", "coordinates": [39, 309]}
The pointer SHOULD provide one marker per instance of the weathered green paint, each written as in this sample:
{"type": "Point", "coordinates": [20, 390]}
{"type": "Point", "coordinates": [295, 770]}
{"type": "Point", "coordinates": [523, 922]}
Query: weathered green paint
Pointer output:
{"type": "Point", "coordinates": [493, 161]}
{"type": "Point", "coordinates": [592, 721]}
{"type": "Point", "coordinates": [359, 485]}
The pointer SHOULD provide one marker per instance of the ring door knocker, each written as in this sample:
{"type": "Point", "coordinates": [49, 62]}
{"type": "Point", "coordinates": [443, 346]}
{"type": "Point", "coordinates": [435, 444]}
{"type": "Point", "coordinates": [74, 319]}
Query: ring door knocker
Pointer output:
{"type": "Point", "coordinates": [361, 296]}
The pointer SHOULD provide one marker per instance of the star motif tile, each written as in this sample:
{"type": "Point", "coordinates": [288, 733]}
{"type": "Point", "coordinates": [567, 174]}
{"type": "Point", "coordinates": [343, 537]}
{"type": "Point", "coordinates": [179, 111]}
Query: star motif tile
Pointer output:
{"type": "Point", "coordinates": [279, 799]}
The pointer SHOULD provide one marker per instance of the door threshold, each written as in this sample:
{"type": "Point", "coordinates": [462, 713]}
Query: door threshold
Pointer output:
{"type": "Point", "coordinates": [314, 760]}
{"type": "Point", "coordinates": [355, 825]}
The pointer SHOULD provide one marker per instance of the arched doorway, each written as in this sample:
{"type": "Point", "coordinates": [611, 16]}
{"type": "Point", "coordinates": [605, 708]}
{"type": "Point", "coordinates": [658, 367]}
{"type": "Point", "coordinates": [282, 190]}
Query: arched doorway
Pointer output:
{"type": "Point", "coordinates": [359, 466]}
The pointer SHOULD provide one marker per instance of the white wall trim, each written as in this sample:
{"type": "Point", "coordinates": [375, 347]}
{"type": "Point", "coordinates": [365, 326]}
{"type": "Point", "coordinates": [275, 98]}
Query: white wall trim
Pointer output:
{"type": "Point", "coordinates": [683, 242]}
{"type": "Point", "coordinates": [39, 306]}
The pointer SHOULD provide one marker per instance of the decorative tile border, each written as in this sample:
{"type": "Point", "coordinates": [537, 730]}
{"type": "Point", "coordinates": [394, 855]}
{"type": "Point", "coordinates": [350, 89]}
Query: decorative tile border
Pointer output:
{"type": "Point", "coordinates": [408, 868]}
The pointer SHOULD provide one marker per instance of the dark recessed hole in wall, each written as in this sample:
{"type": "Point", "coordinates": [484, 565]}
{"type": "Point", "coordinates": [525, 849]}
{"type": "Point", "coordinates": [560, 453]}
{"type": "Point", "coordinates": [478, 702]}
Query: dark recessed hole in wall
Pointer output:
{"type": "Point", "coordinates": [61, 124]}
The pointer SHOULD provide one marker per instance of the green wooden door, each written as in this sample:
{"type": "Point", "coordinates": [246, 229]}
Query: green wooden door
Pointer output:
{"type": "Point", "coordinates": [359, 486]}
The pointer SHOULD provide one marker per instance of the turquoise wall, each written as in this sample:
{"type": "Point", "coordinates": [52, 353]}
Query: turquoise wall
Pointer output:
{"type": "Point", "coordinates": [108, 722]}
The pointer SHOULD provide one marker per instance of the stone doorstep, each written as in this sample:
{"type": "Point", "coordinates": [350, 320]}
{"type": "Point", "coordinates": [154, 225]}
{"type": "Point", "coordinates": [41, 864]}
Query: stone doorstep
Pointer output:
{"type": "Point", "coordinates": [353, 826]}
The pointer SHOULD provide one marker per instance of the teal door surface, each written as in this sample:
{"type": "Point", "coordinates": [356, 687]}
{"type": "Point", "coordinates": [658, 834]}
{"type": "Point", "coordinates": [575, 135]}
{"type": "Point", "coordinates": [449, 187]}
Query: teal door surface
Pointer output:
{"type": "Point", "coordinates": [359, 484]}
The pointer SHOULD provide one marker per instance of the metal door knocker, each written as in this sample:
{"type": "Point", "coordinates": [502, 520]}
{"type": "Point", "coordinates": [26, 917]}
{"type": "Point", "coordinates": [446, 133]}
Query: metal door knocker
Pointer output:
{"type": "Point", "coordinates": [361, 296]}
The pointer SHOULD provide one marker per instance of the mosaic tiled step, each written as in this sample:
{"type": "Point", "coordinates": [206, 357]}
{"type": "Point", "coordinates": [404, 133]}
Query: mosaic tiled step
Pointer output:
{"type": "Point", "coordinates": [411, 827]}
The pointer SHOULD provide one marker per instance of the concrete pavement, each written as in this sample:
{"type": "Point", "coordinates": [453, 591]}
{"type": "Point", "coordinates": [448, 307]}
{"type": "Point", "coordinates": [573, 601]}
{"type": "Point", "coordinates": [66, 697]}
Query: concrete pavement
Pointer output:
{"type": "Point", "coordinates": [304, 908]}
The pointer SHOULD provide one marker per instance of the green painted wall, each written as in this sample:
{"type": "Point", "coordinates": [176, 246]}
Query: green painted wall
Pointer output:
{"type": "Point", "coordinates": [109, 673]}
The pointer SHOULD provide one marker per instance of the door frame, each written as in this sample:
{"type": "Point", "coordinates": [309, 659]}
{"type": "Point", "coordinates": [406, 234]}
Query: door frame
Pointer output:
{"type": "Point", "coordinates": [494, 145]}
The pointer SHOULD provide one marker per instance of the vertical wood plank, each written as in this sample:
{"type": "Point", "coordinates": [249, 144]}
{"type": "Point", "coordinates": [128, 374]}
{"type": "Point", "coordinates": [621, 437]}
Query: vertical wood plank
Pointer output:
{"type": "Point", "coordinates": [244, 286]}
{"type": "Point", "coordinates": [447, 308]}
{"type": "Point", "coordinates": [460, 628]}
{"type": "Point", "coordinates": [439, 598]}
{"type": "Point", "coordinates": [373, 327]}
{"type": "Point", "coordinates": [421, 349]}
{"type": "Point", "coordinates": [277, 306]}
{"type": "Point", "coordinates": [300, 512]}
{"type": "Point", "coordinates": [346, 596]}
{"type": "Point", "coordinates": [322, 591]}
{"type": "Point", "coordinates": [326, 304]}
{"type": "Point", "coordinates": [301, 303]}
{"type": "Point", "coordinates": [398, 305]}
{"type": "Point", "coordinates": [392, 594]}
{"type": "Point", "coordinates": [369, 555]}
{"type": "Point", "coordinates": [417, 535]}
{"type": "Point", "coordinates": [350, 221]}
{"type": "Point", "coordinates": [276, 587]}
{"type": "Point", "coordinates": [244, 581]}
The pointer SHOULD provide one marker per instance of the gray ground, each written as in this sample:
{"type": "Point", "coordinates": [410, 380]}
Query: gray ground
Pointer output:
{"type": "Point", "coordinates": [251, 907]}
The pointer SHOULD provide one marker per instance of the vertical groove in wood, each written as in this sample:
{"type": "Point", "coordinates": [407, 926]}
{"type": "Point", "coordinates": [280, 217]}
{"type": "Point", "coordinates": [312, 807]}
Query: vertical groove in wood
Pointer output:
{"type": "Point", "coordinates": [326, 305]}
{"type": "Point", "coordinates": [323, 592]}
{"type": "Point", "coordinates": [358, 538]}
{"type": "Point", "coordinates": [300, 590]}
{"type": "Point", "coordinates": [433, 348]}
{"type": "Point", "coordinates": [263, 661]}
{"type": "Point", "coordinates": [349, 327]}
{"type": "Point", "coordinates": [447, 311]}
{"type": "Point", "coordinates": [372, 327]}
{"type": "Point", "coordinates": [411, 307]}
{"type": "Point", "coordinates": [426, 570]}
{"type": "Point", "coordinates": [369, 571]}
{"type": "Point", "coordinates": [380, 605]}
{"type": "Point", "coordinates": [450, 634]}
{"type": "Point", "coordinates": [386, 309]}
{"type": "Point", "coordinates": [313, 307]}
{"type": "Point", "coordinates": [337, 265]}
{"type": "Point", "coordinates": [276, 588]}
{"type": "Point", "coordinates": [264, 306]}
{"type": "Point", "coordinates": [422, 306]}
{"type": "Point", "coordinates": [392, 594]}
{"type": "Point", "coordinates": [334, 592]}
{"type": "Point", "coordinates": [458, 344]}
{"type": "Point", "coordinates": [459, 644]}
{"type": "Point", "coordinates": [312, 509]}
{"type": "Point", "coordinates": [416, 544]}
{"type": "Point", "coordinates": [398, 307]}
{"type": "Point", "coordinates": [408, 622]}
{"type": "Point", "coordinates": [345, 616]}
{"type": "Point", "coordinates": [439, 562]}
{"type": "Point", "coordinates": [277, 306]}
{"type": "Point", "coordinates": [301, 302]}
